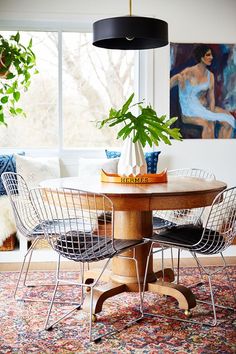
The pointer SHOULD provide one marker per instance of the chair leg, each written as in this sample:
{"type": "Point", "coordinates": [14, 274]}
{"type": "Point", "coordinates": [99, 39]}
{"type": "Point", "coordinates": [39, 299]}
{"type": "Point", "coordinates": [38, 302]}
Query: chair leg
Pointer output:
{"type": "Point", "coordinates": [58, 266]}
{"type": "Point", "coordinates": [172, 258]}
{"type": "Point", "coordinates": [199, 283]}
{"type": "Point", "coordinates": [228, 277]}
{"type": "Point", "coordinates": [200, 270]}
{"type": "Point", "coordinates": [139, 285]}
{"type": "Point", "coordinates": [162, 264]}
{"type": "Point", "coordinates": [82, 280]}
{"type": "Point", "coordinates": [211, 292]}
{"type": "Point", "coordinates": [78, 306]}
{"type": "Point", "coordinates": [50, 307]}
{"type": "Point", "coordinates": [146, 269]}
{"type": "Point", "coordinates": [214, 305]}
{"type": "Point", "coordinates": [98, 339]}
{"type": "Point", "coordinates": [29, 253]}
{"type": "Point", "coordinates": [48, 326]}
{"type": "Point", "coordinates": [28, 265]}
{"type": "Point", "coordinates": [212, 302]}
{"type": "Point", "coordinates": [178, 264]}
{"type": "Point", "coordinates": [30, 250]}
{"type": "Point", "coordinates": [91, 316]}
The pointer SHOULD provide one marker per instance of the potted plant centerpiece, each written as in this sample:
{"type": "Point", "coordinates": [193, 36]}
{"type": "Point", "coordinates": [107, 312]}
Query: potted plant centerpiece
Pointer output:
{"type": "Point", "coordinates": [137, 131]}
{"type": "Point", "coordinates": [17, 63]}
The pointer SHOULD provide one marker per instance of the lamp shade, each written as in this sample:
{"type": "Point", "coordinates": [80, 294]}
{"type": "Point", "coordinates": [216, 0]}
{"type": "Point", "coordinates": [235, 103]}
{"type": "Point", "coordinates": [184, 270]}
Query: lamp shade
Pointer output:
{"type": "Point", "coordinates": [130, 32]}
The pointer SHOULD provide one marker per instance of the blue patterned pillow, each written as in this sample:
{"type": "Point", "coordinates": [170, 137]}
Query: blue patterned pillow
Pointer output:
{"type": "Point", "coordinates": [150, 157]}
{"type": "Point", "coordinates": [7, 164]}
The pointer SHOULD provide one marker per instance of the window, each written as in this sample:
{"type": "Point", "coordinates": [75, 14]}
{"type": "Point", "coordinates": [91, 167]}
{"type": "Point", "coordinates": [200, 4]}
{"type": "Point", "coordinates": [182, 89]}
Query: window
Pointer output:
{"type": "Point", "coordinates": [76, 85]}
{"type": "Point", "coordinates": [94, 79]}
{"type": "Point", "coordinates": [40, 102]}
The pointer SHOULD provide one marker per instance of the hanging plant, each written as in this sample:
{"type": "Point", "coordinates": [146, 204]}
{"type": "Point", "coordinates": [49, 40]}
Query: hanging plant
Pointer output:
{"type": "Point", "coordinates": [17, 64]}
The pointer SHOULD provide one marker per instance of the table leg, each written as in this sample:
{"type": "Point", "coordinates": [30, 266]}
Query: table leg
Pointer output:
{"type": "Point", "coordinates": [132, 225]}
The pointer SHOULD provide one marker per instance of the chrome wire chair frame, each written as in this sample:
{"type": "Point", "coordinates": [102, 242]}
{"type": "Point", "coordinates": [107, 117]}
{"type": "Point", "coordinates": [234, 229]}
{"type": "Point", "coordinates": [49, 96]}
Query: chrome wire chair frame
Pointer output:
{"type": "Point", "coordinates": [217, 235]}
{"type": "Point", "coordinates": [168, 218]}
{"type": "Point", "coordinates": [27, 223]}
{"type": "Point", "coordinates": [164, 219]}
{"type": "Point", "coordinates": [79, 226]}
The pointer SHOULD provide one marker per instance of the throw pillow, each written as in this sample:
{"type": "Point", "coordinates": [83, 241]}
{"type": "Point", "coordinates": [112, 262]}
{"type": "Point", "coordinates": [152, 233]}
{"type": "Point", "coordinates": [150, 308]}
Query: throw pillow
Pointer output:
{"type": "Point", "coordinates": [7, 164]}
{"type": "Point", "coordinates": [92, 167]}
{"type": "Point", "coordinates": [150, 157]}
{"type": "Point", "coordinates": [36, 169]}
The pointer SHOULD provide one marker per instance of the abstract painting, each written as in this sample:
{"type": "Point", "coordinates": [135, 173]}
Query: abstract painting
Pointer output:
{"type": "Point", "coordinates": [203, 90]}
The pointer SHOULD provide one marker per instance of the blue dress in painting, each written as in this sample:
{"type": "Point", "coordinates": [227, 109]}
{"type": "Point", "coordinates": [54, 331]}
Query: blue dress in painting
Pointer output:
{"type": "Point", "coordinates": [191, 105]}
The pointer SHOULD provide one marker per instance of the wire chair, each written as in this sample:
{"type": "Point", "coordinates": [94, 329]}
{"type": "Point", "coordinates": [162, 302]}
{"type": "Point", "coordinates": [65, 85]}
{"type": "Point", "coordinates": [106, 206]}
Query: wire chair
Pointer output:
{"type": "Point", "coordinates": [164, 219]}
{"type": "Point", "coordinates": [79, 226]}
{"type": "Point", "coordinates": [27, 222]}
{"type": "Point", "coordinates": [167, 218]}
{"type": "Point", "coordinates": [217, 235]}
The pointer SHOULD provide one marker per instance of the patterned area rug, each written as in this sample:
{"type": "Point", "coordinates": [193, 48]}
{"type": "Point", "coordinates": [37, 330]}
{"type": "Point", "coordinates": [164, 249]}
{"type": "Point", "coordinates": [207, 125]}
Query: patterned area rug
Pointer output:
{"type": "Point", "coordinates": [21, 324]}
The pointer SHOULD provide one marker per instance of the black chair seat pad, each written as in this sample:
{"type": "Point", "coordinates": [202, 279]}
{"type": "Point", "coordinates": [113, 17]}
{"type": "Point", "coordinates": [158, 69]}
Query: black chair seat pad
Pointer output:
{"type": "Point", "coordinates": [186, 236]}
{"type": "Point", "coordinates": [86, 247]}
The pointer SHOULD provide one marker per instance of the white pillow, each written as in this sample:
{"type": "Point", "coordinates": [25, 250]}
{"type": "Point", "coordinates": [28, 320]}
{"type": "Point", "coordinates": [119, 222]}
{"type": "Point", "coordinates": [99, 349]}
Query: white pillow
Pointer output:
{"type": "Point", "coordinates": [36, 169]}
{"type": "Point", "coordinates": [92, 167]}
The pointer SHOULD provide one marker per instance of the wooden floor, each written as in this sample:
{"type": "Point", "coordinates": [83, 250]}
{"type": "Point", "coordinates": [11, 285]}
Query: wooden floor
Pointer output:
{"type": "Point", "coordinates": [185, 262]}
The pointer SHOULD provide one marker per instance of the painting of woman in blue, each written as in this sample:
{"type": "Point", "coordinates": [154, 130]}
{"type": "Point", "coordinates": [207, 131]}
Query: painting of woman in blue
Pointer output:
{"type": "Point", "coordinates": [201, 100]}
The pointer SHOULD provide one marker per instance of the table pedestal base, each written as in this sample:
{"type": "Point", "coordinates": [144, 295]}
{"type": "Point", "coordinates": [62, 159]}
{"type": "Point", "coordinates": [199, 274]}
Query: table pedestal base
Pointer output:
{"type": "Point", "coordinates": [100, 294]}
{"type": "Point", "coordinates": [184, 296]}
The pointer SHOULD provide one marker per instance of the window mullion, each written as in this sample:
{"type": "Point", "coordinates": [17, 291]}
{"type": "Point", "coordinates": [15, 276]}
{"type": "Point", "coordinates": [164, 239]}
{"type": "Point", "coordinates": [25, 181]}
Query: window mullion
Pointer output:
{"type": "Point", "coordinates": [60, 93]}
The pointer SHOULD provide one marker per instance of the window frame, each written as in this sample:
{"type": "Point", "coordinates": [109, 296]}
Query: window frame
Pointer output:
{"type": "Point", "coordinates": [144, 80]}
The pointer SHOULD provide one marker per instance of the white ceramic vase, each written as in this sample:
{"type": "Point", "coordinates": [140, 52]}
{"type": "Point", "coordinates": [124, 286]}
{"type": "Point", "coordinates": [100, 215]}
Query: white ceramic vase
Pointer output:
{"type": "Point", "coordinates": [132, 160]}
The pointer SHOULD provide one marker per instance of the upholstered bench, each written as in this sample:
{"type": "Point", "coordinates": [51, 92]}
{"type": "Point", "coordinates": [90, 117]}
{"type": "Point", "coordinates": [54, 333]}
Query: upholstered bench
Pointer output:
{"type": "Point", "coordinates": [7, 223]}
{"type": "Point", "coordinates": [34, 170]}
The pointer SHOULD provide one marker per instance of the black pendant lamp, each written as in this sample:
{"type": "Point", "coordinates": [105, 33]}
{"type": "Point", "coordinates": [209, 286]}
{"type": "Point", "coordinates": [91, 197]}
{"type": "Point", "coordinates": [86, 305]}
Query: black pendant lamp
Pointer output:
{"type": "Point", "coordinates": [130, 32]}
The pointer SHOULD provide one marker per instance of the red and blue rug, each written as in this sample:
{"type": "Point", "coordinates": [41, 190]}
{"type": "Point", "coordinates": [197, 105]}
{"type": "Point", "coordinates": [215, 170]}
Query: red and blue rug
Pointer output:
{"type": "Point", "coordinates": [22, 323]}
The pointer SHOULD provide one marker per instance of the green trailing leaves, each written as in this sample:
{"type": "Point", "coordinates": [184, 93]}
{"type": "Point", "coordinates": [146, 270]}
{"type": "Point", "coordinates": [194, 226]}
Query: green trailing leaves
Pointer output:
{"type": "Point", "coordinates": [4, 99]}
{"type": "Point", "coordinates": [146, 127]}
{"type": "Point", "coordinates": [16, 96]}
{"type": "Point", "coordinates": [17, 65]}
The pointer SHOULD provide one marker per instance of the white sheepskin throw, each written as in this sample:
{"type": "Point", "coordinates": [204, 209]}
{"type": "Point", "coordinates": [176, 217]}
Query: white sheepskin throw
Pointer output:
{"type": "Point", "coordinates": [7, 222]}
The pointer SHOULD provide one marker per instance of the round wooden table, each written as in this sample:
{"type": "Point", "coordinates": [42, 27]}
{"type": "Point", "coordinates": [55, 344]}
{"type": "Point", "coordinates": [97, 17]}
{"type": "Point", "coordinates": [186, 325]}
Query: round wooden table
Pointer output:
{"type": "Point", "coordinates": [133, 204]}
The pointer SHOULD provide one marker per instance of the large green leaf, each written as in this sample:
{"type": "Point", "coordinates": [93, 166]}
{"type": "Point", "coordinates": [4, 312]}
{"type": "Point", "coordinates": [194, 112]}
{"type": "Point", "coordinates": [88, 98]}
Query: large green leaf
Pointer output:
{"type": "Point", "coordinates": [126, 105]}
{"type": "Point", "coordinates": [146, 127]}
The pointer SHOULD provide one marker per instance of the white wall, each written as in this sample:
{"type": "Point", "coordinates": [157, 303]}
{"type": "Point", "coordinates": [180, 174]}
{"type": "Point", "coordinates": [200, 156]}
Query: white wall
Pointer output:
{"type": "Point", "coordinates": [209, 21]}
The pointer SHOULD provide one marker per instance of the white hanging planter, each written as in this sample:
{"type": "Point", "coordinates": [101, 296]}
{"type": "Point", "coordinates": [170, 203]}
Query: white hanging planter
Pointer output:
{"type": "Point", "coordinates": [132, 160]}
